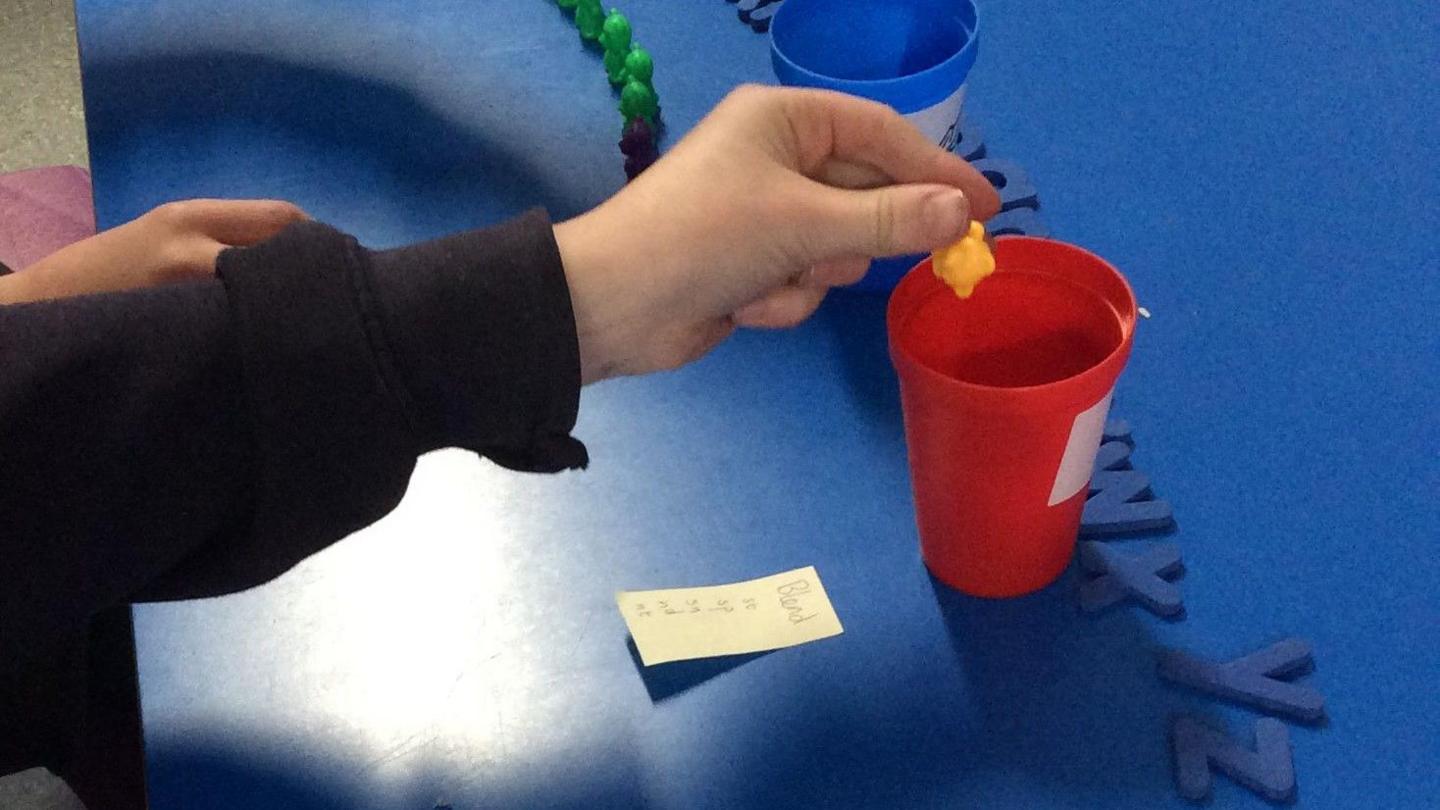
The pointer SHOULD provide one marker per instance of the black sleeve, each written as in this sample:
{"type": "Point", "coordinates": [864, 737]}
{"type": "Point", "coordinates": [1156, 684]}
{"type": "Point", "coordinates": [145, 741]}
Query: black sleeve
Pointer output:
{"type": "Point", "coordinates": [201, 439]}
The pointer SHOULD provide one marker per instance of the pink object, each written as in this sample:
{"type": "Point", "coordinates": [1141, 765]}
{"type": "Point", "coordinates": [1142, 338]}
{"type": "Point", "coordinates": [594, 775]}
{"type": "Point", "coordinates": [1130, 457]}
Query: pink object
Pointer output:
{"type": "Point", "coordinates": [43, 210]}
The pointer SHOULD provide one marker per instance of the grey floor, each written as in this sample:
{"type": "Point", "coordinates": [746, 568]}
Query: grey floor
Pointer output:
{"type": "Point", "coordinates": [42, 120]}
{"type": "Point", "coordinates": [42, 123]}
{"type": "Point", "coordinates": [36, 790]}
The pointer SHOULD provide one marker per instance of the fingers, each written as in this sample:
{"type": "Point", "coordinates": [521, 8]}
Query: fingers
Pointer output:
{"type": "Point", "coordinates": [791, 304]}
{"type": "Point", "coordinates": [845, 174]}
{"type": "Point", "coordinates": [192, 257]}
{"type": "Point", "coordinates": [840, 272]}
{"type": "Point", "coordinates": [707, 338]}
{"type": "Point", "coordinates": [890, 221]}
{"type": "Point", "coordinates": [234, 223]}
{"type": "Point", "coordinates": [830, 125]}
{"type": "Point", "coordinates": [781, 308]}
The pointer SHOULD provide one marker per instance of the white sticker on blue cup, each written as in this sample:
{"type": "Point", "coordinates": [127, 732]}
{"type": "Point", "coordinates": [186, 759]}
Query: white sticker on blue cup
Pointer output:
{"type": "Point", "coordinates": [941, 122]}
{"type": "Point", "coordinates": [1079, 460]}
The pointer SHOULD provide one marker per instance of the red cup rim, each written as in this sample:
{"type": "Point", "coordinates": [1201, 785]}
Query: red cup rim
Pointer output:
{"type": "Point", "coordinates": [914, 286]}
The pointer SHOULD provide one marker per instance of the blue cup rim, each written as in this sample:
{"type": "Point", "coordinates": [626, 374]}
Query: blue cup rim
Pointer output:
{"type": "Point", "coordinates": [908, 93]}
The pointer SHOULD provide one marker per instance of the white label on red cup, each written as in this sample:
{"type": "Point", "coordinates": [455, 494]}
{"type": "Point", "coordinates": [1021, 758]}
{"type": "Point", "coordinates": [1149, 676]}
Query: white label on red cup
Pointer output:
{"type": "Point", "coordinates": [941, 123]}
{"type": "Point", "coordinates": [1079, 460]}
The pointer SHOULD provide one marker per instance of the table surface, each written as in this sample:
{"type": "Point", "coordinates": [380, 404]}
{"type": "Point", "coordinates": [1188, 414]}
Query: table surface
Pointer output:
{"type": "Point", "coordinates": [1266, 175]}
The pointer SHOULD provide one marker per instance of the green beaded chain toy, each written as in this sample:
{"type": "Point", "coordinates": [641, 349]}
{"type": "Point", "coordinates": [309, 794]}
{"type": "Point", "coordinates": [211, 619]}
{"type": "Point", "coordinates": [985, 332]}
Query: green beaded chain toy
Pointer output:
{"type": "Point", "coordinates": [630, 68]}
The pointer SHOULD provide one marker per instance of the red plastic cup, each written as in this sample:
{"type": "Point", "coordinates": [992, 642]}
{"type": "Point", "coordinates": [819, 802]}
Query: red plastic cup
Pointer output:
{"type": "Point", "coordinates": [1005, 396]}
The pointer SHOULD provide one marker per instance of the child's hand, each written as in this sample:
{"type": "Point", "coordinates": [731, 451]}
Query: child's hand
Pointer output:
{"type": "Point", "coordinates": [175, 242]}
{"type": "Point", "coordinates": [775, 197]}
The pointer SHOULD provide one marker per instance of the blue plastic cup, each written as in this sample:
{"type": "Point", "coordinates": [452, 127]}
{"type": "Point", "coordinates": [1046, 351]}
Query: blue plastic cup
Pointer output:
{"type": "Point", "coordinates": [914, 55]}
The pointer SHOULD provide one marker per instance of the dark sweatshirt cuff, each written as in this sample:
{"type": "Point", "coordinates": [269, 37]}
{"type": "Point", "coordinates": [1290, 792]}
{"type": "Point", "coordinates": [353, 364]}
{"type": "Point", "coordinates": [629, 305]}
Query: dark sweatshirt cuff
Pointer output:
{"type": "Point", "coordinates": [483, 340]}
{"type": "Point", "coordinates": [356, 362]}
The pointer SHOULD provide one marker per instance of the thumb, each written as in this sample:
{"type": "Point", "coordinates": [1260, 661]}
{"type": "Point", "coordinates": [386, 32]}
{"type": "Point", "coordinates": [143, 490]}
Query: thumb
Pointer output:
{"type": "Point", "coordinates": [890, 221]}
{"type": "Point", "coordinates": [236, 222]}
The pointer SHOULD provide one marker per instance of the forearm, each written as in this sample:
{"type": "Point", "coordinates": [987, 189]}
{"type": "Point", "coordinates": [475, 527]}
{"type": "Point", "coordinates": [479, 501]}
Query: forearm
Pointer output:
{"type": "Point", "coordinates": [17, 289]}
{"type": "Point", "coordinates": [202, 438]}
{"type": "Point", "coordinates": [66, 273]}
{"type": "Point", "coordinates": [118, 419]}
{"type": "Point", "coordinates": [120, 445]}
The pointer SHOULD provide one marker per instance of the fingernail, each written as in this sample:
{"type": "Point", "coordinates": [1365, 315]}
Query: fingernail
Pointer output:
{"type": "Point", "coordinates": [947, 214]}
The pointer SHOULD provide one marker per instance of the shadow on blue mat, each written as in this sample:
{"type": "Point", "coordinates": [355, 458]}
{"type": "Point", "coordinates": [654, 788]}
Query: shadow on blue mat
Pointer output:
{"type": "Point", "coordinates": [1037, 706]}
{"type": "Point", "coordinates": [856, 321]}
{"type": "Point", "coordinates": [664, 681]}
{"type": "Point", "coordinates": [250, 772]}
{"type": "Point", "coordinates": [331, 141]}
{"type": "Point", "coordinates": [215, 775]}
{"type": "Point", "coordinates": [1060, 695]}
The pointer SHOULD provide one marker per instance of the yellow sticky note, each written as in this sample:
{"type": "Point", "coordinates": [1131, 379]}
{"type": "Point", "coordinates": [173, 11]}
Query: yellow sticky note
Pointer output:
{"type": "Point", "coordinates": [678, 624]}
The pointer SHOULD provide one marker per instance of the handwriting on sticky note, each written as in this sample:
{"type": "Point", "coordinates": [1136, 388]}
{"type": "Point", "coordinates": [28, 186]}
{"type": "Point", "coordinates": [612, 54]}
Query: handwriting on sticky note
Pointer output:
{"type": "Point", "coordinates": [678, 624]}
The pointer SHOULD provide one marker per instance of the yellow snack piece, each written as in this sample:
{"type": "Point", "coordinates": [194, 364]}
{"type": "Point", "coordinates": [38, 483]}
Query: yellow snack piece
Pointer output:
{"type": "Point", "coordinates": [963, 264]}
